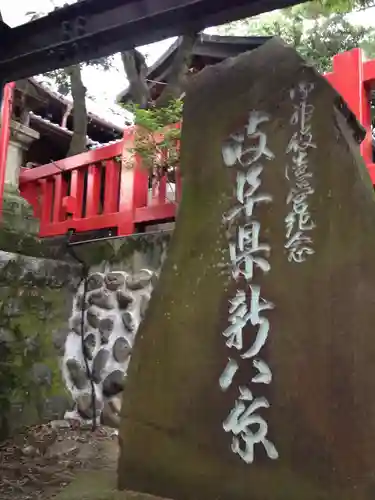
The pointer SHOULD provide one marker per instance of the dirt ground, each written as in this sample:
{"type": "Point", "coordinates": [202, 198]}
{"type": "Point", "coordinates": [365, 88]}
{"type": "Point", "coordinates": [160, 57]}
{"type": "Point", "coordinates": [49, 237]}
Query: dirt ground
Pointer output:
{"type": "Point", "coordinates": [61, 461]}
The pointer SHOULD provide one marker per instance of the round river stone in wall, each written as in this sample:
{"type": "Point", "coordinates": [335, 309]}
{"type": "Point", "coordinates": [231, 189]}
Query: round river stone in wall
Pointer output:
{"type": "Point", "coordinates": [92, 318]}
{"type": "Point", "coordinates": [98, 365]}
{"type": "Point", "coordinates": [106, 328]}
{"type": "Point", "coordinates": [114, 281]}
{"type": "Point", "coordinates": [124, 300]}
{"type": "Point", "coordinates": [139, 280]}
{"type": "Point", "coordinates": [128, 321]}
{"type": "Point", "coordinates": [102, 299]}
{"type": "Point", "coordinates": [109, 417]}
{"type": "Point", "coordinates": [84, 405]}
{"type": "Point", "coordinates": [121, 350]}
{"type": "Point", "coordinates": [77, 373]}
{"type": "Point", "coordinates": [111, 314]}
{"type": "Point", "coordinates": [90, 343]}
{"type": "Point", "coordinates": [115, 404]}
{"type": "Point", "coordinates": [94, 282]}
{"type": "Point", "coordinates": [113, 384]}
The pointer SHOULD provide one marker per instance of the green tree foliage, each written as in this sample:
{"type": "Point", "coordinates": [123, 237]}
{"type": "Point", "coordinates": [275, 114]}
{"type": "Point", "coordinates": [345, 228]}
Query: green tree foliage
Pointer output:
{"type": "Point", "coordinates": [315, 36]}
{"type": "Point", "coordinates": [156, 140]}
{"type": "Point", "coordinates": [343, 6]}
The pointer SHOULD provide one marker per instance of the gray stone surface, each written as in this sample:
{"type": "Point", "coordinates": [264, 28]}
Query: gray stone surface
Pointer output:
{"type": "Point", "coordinates": [95, 281]}
{"type": "Point", "coordinates": [254, 373]}
{"type": "Point", "coordinates": [50, 311]}
{"type": "Point", "coordinates": [128, 321]}
{"type": "Point", "coordinates": [113, 384]}
{"type": "Point", "coordinates": [102, 299]}
{"type": "Point", "coordinates": [93, 318]}
{"type": "Point", "coordinates": [145, 299]}
{"type": "Point", "coordinates": [90, 344]}
{"type": "Point", "coordinates": [37, 294]}
{"type": "Point", "coordinates": [81, 303]}
{"type": "Point", "coordinates": [121, 350]}
{"type": "Point", "coordinates": [111, 320]}
{"type": "Point", "coordinates": [114, 281]}
{"type": "Point", "coordinates": [77, 373]}
{"type": "Point", "coordinates": [111, 414]}
{"type": "Point", "coordinates": [106, 326]}
{"type": "Point", "coordinates": [139, 280]}
{"type": "Point", "coordinates": [76, 323]}
{"type": "Point", "coordinates": [84, 405]}
{"type": "Point", "coordinates": [99, 364]}
{"type": "Point", "coordinates": [124, 300]}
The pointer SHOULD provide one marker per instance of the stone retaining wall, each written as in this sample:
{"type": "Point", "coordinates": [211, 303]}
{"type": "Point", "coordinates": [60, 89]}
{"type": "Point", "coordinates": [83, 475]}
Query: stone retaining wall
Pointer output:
{"type": "Point", "coordinates": [35, 296]}
{"type": "Point", "coordinates": [42, 368]}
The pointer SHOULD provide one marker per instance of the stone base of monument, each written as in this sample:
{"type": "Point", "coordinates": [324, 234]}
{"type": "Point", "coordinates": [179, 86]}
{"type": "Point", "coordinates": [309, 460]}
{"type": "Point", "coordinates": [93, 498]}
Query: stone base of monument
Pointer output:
{"type": "Point", "coordinates": [99, 485]}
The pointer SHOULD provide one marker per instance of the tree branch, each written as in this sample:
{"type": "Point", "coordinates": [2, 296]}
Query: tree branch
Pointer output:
{"type": "Point", "coordinates": [66, 115]}
{"type": "Point", "coordinates": [78, 142]}
{"type": "Point", "coordinates": [177, 79]}
{"type": "Point", "coordinates": [136, 71]}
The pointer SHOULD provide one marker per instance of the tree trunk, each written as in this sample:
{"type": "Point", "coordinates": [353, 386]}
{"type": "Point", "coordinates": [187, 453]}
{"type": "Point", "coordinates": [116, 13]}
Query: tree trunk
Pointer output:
{"type": "Point", "coordinates": [136, 71]}
{"type": "Point", "coordinates": [176, 82]}
{"type": "Point", "coordinates": [79, 140]}
{"type": "Point", "coordinates": [232, 394]}
{"type": "Point", "coordinates": [66, 115]}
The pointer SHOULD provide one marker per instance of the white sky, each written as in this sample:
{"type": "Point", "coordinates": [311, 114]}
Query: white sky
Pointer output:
{"type": "Point", "coordinates": [106, 85]}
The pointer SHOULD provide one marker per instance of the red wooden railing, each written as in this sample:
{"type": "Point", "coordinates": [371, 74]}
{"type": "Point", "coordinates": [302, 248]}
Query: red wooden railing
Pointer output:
{"type": "Point", "coordinates": [97, 190]}
{"type": "Point", "coordinates": [354, 79]}
{"type": "Point", "coordinates": [94, 191]}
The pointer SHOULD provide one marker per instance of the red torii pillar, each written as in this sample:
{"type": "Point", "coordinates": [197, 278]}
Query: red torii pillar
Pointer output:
{"type": "Point", "coordinates": [6, 115]}
{"type": "Point", "coordinates": [354, 78]}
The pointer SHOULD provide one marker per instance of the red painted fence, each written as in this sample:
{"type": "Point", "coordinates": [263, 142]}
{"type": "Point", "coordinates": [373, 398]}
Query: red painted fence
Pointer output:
{"type": "Point", "coordinates": [354, 79]}
{"type": "Point", "coordinates": [95, 191]}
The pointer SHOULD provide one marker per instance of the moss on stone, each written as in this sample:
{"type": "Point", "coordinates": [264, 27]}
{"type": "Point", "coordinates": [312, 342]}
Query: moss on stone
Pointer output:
{"type": "Point", "coordinates": [98, 485]}
{"type": "Point", "coordinates": [33, 302]}
{"type": "Point", "coordinates": [19, 230]}
{"type": "Point", "coordinates": [118, 251]}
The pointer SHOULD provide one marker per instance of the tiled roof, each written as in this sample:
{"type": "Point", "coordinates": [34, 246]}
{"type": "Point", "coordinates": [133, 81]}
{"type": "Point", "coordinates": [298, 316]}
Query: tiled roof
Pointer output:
{"type": "Point", "coordinates": [90, 143]}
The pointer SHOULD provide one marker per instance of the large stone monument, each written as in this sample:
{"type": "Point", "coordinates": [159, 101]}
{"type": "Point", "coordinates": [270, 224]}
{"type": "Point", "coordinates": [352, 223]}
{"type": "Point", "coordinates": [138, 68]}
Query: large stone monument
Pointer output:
{"type": "Point", "coordinates": [253, 373]}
